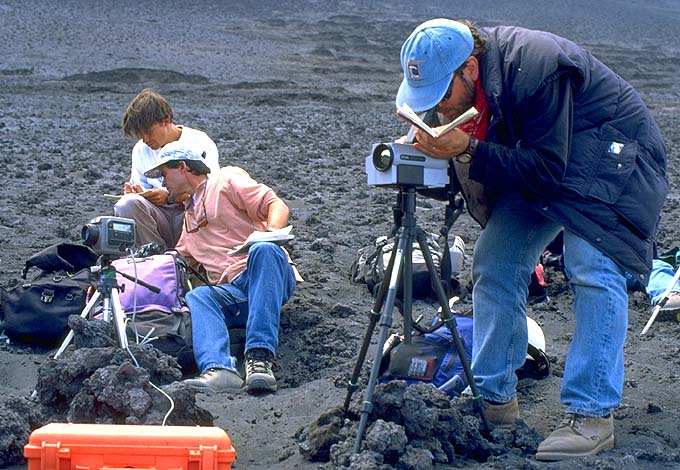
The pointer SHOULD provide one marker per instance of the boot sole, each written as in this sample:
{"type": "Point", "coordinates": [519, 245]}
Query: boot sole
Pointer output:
{"type": "Point", "coordinates": [260, 385]}
{"type": "Point", "coordinates": [557, 456]}
{"type": "Point", "coordinates": [206, 389]}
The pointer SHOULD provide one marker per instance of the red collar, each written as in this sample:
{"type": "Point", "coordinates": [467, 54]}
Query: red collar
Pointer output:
{"type": "Point", "coordinates": [478, 126]}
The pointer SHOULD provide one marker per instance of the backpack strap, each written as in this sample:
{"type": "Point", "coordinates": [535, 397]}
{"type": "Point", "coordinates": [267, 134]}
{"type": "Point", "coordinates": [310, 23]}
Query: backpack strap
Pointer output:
{"type": "Point", "coordinates": [204, 280]}
{"type": "Point", "coordinates": [454, 208]}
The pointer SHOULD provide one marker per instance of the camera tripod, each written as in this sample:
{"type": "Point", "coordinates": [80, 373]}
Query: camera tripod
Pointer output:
{"type": "Point", "coordinates": [400, 270]}
{"type": "Point", "coordinates": [107, 291]}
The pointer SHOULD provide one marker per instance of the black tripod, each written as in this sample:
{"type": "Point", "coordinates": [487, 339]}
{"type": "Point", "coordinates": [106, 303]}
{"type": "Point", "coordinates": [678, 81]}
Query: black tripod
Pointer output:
{"type": "Point", "coordinates": [108, 292]}
{"type": "Point", "coordinates": [400, 269]}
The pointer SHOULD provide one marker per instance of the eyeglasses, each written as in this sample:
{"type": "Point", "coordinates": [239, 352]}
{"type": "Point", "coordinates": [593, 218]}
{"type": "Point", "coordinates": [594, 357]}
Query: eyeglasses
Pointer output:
{"type": "Point", "coordinates": [449, 90]}
{"type": "Point", "coordinates": [201, 217]}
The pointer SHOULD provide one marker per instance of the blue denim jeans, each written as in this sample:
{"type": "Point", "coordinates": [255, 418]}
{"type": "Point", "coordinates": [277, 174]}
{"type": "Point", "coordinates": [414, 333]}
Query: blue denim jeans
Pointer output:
{"type": "Point", "coordinates": [504, 257]}
{"type": "Point", "coordinates": [254, 300]}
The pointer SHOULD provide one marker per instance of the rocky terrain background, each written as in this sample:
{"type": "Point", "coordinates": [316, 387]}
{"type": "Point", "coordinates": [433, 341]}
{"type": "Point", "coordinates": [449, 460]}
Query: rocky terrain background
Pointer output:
{"type": "Point", "coordinates": [296, 92]}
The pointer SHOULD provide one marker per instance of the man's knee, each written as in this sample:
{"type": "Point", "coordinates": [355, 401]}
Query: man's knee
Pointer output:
{"type": "Point", "coordinates": [129, 205]}
{"type": "Point", "coordinates": [265, 250]}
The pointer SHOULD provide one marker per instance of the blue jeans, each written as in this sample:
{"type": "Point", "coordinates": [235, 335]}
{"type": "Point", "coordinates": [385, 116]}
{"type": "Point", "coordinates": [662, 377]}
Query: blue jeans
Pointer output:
{"type": "Point", "coordinates": [254, 300]}
{"type": "Point", "coordinates": [504, 257]}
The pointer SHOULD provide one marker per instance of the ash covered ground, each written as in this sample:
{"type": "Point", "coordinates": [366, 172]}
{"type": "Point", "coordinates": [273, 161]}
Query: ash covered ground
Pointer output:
{"type": "Point", "coordinates": [296, 92]}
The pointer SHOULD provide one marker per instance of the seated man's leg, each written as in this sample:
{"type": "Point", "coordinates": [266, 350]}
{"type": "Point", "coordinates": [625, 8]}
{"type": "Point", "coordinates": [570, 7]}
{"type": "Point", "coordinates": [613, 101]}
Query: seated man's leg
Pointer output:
{"type": "Point", "coordinates": [270, 282]}
{"type": "Point", "coordinates": [505, 255]}
{"type": "Point", "coordinates": [593, 375]}
{"type": "Point", "coordinates": [153, 224]}
{"type": "Point", "coordinates": [210, 311]}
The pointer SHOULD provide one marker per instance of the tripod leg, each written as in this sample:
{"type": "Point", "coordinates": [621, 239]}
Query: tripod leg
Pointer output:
{"type": "Point", "coordinates": [450, 322]}
{"type": "Point", "coordinates": [374, 316]}
{"type": "Point", "coordinates": [69, 337]}
{"type": "Point", "coordinates": [119, 319]}
{"type": "Point", "coordinates": [385, 324]}
{"type": "Point", "coordinates": [407, 283]}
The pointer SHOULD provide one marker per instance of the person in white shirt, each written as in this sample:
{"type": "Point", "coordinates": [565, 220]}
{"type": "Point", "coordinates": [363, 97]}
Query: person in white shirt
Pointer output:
{"type": "Point", "coordinates": [158, 216]}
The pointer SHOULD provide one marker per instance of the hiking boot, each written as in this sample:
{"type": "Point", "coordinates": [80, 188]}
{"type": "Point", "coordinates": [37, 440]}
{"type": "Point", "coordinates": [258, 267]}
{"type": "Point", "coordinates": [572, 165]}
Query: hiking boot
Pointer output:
{"type": "Point", "coordinates": [577, 436]}
{"type": "Point", "coordinates": [502, 415]}
{"type": "Point", "coordinates": [671, 309]}
{"type": "Point", "coordinates": [259, 375]}
{"type": "Point", "coordinates": [216, 380]}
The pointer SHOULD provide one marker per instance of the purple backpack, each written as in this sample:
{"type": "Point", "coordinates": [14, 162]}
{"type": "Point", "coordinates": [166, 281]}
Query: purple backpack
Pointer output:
{"type": "Point", "coordinates": [165, 271]}
{"type": "Point", "coordinates": [162, 318]}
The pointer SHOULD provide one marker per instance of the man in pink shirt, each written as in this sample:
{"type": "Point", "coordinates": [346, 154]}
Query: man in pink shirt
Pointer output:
{"type": "Point", "coordinates": [249, 290]}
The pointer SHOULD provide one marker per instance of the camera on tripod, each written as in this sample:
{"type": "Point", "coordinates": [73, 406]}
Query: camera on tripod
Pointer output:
{"type": "Point", "coordinates": [109, 235]}
{"type": "Point", "coordinates": [401, 165]}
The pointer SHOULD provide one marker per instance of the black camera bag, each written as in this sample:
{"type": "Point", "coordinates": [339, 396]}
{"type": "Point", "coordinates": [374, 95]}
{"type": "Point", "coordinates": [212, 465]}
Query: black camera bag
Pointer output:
{"type": "Point", "coordinates": [37, 310]}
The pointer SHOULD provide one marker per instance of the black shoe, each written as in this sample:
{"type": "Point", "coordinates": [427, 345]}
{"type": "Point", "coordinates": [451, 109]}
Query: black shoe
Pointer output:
{"type": "Point", "coordinates": [671, 309]}
{"type": "Point", "coordinates": [259, 375]}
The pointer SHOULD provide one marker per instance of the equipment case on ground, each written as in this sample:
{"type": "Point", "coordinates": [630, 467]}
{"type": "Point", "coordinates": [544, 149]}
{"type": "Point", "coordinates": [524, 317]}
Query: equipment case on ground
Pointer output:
{"type": "Point", "coordinates": [70, 446]}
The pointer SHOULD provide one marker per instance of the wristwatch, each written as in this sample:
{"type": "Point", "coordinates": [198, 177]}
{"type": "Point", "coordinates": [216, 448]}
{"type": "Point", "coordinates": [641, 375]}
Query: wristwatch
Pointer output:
{"type": "Point", "coordinates": [468, 153]}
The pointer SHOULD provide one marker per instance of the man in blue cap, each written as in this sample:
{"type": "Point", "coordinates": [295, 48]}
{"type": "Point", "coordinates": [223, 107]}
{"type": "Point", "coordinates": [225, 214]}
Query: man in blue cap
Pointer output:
{"type": "Point", "coordinates": [560, 142]}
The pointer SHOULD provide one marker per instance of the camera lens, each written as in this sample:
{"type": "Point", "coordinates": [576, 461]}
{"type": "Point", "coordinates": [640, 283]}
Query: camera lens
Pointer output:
{"type": "Point", "coordinates": [382, 157]}
{"type": "Point", "coordinates": [90, 234]}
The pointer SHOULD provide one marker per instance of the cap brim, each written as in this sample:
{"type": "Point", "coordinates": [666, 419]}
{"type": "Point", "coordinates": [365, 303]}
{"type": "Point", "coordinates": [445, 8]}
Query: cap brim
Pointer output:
{"type": "Point", "coordinates": [422, 98]}
{"type": "Point", "coordinates": [154, 172]}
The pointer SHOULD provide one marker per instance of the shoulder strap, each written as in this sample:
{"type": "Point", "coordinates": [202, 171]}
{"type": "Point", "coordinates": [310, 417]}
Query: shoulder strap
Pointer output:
{"type": "Point", "coordinates": [205, 280]}
{"type": "Point", "coordinates": [454, 208]}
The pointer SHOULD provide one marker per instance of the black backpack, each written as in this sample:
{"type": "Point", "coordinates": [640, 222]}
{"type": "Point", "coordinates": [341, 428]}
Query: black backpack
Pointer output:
{"type": "Point", "coordinates": [37, 310]}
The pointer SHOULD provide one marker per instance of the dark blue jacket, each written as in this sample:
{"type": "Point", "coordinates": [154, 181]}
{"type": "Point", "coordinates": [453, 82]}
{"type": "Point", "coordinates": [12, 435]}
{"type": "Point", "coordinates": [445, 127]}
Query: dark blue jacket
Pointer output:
{"type": "Point", "coordinates": [575, 139]}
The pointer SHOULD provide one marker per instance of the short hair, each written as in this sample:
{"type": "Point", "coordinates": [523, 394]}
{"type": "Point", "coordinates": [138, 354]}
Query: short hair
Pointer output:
{"type": "Point", "coordinates": [196, 167]}
{"type": "Point", "coordinates": [145, 109]}
{"type": "Point", "coordinates": [478, 38]}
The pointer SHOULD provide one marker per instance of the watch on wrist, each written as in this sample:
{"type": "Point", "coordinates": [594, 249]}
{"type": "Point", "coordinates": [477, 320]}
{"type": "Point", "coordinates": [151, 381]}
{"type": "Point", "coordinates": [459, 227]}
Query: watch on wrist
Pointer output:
{"type": "Point", "coordinates": [468, 153]}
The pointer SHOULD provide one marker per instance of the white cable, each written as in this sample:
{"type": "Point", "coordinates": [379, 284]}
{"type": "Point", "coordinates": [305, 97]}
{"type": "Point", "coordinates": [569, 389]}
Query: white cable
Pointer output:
{"type": "Point", "coordinates": [172, 403]}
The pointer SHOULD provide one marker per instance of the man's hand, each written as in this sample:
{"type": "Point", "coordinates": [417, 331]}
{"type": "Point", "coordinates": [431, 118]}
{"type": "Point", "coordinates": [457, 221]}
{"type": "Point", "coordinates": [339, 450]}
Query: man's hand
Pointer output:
{"type": "Point", "coordinates": [156, 196]}
{"type": "Point", "coordinates": [182, 197]}
{"type": "Point", "coordinates": [445, 146]}
{"type": "Point", "coordinates": [129, 188]}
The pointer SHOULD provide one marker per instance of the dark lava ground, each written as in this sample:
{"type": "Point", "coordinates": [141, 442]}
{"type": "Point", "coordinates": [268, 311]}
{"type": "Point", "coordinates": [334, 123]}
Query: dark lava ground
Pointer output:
{"type": "Point", "coordinates": [296, 92]}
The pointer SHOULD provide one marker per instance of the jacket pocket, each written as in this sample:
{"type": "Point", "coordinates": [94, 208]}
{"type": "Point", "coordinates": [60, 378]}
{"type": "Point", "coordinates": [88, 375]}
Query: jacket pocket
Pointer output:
{"type": "Point", "coordinates": [616, 163]}
{"type": "Point", "coordinates": [626, 179]}
{"type": "Point", "coordinates": [644, 196]}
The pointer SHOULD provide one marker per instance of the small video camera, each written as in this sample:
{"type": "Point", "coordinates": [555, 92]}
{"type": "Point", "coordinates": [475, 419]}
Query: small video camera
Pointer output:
{"type": "Point", "coordinates": [401, 165]}
{"type": "Point", "coordinates": [109, 235]}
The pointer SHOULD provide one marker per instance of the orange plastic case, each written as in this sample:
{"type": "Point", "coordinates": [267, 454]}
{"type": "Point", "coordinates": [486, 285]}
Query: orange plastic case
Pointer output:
{"type": "Point", "coordinates": [70, 446]}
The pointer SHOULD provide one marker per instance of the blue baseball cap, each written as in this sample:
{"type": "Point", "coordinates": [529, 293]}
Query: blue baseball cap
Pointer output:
{"type": "Point", "coordinates": [429, 56]}
{"type": "Point", "coordinates": [177, 151]}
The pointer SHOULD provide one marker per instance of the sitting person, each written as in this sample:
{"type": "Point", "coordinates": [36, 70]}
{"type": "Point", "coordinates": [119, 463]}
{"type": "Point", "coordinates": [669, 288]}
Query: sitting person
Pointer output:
{"type": "Point", "coordinates": [158, 216]}
{"type": "Point", "coordinates": [249, 290]}
{"type": "Point", "coordinates": [660, 277]}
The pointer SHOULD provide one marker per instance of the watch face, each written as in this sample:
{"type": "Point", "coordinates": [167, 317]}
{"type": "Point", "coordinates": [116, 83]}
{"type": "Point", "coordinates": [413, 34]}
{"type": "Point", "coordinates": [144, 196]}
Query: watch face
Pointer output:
{"type": "Point", "coordinates": [464, 158]}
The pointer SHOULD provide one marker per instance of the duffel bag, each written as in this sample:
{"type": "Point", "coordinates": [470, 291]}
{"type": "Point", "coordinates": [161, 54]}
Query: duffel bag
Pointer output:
{"type": "Point", "coordinates": [37, 310]}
